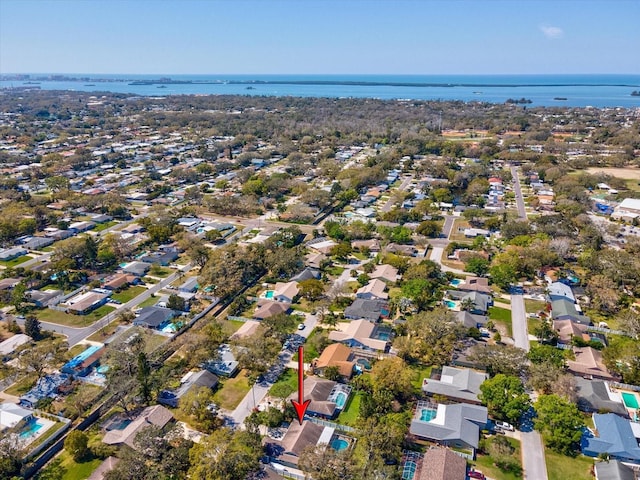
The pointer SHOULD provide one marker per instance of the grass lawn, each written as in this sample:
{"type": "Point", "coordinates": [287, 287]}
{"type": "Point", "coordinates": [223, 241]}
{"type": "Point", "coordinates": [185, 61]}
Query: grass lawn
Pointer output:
{"type": "Point", "coordinates": [335, 271]}
{"type": "Point", "coordinates": [501, 315]}
{"type": "Point", "coordinates": [534, 306]}
{"type": "Point", "coordinates": [231, 326]}
{"type": "Point", "coordinates": [16, 261]}
{"type": "Point", "coordinates": [456, 235]}
{"type": "Point", "coordinates": [286, 384]}
{"type": "Point", "coordinates": [232, 391]}
{"type": "Point", "coordinates": [22, 386]}
{"type": "Point", "coordinates": [65, 467]}
{"type": "Point", "coordinates": [128, 294]}
{"type": "Point", "coordinates": [161, 272]}
{"type": "Point", "coordinates": [103, 226]}
{"type": "Point", "coordinates": [149, 302]}
{"type": "Point", "coordinates": [419, 373]}
{"type": "Point", "coordinates": [485, 464]}
{"type": "Point", "coordinates": [350, 414]}
{"type": "Point", "coordinates": [76, 349]}
{"type": "Point", "coordinates": [561, 467]}
{"type": "Point", "coordinates": [105, 332]}
{"type": "Point", "coordinates": [55, 316]}
{"type": "Point", "coordinates": [310, 351]}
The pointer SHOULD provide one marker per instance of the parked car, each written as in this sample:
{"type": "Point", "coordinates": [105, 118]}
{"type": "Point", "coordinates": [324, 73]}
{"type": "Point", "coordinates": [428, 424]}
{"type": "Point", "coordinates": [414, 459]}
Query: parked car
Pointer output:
{"type": "Point", "coordinates": [301, 326]}
{"type": "Point", "coordinates": [478, 475]}
{"type": "Point", "coordinates": [504, 426]}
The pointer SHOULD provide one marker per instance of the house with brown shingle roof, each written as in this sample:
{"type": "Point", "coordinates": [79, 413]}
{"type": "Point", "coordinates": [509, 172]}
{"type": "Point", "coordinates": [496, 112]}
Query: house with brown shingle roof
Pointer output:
{"type": "Point", "coordinates": [475, 284]}
{"type": "Point", "coordinates": [374, 290]}
{"type": "Point", "coordinates": [359, 334]}
{"type": "Point", "coordinates": [385, 272]}
{"type": "Point", "coordinates": [285, 292]}
{"type": "Point", "coordinates": [155, 415]}
{"type": "Point", "coordinates": [589, 364]}
{"type": "Point", "coordinates": [336, 355]}
{"type": "Point", "coordinates": [442, 464]}
{"type": "Point", "coordinates": [269, 308]}
{"type": "Point", "coordinates": [568, 330]}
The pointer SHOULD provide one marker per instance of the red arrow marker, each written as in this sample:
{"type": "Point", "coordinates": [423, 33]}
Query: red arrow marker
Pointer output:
{"type": "Point", "coordinates": [300, 405]}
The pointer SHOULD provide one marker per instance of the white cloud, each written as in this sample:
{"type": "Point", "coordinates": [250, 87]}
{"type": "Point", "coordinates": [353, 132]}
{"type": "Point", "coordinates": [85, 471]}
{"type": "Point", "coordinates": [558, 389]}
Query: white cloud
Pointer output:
{"type": "Point", "coordinates": [551, 32]}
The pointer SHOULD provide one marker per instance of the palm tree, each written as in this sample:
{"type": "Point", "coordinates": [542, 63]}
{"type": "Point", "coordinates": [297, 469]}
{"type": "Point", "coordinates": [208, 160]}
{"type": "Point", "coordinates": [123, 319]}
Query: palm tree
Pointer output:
{"type": "Point", "coordinates": [467, 304]}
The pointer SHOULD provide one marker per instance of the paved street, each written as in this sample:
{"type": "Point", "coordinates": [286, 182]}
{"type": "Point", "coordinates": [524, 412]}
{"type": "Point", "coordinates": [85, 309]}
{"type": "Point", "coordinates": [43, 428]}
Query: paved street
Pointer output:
{"type": "Point", "coordinates": [519, 322]}
{"type": "Point", "coordinates": [258, 392]}
{"type": "Point", "coordinates": [405, 183]}
{"type": "Point", "coordinates": [522, 213]}
{"type": "Point", "coordinates": [438, 246]}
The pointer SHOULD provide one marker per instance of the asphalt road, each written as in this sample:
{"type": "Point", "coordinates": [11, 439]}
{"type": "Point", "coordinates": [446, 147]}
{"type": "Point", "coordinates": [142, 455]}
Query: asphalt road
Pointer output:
{"type": "Point", "coordinates": [76, 334]}
{"type": "Point", "coordinates": [519, 322]}
{"type": "Point", "coordinates": [405, 183]}
{"type": "Point", "coordinates": [533, 460]}
{"type": "Point", "coordinates": [259, 391]}
{"type": "Point", "coordinates": [522, 213]}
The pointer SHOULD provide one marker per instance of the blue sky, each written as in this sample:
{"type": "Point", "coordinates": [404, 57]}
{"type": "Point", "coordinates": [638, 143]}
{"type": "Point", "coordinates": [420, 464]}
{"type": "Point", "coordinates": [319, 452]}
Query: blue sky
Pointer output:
{"type": "Point", "coordinates": [320, 36]}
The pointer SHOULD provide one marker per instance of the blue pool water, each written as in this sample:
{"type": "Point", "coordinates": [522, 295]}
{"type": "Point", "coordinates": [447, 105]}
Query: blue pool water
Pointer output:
{"type": "Point", "coordinates": [120, 425]}
{"type": "Point", "coordinates": [428, 414]}
{"type": "Point", "coordinates": [341, 399]}
{"type": "Point", "coordinates": [384, 336]}
{"type": "Point", "coordinates": [630, 400]}
{"type": "Point", "coordinates": [450, 304]}
{"type": "Point", "coordinates": [339, 444]}
{"type": "Point", "coordinates": [455, 282]}
{"type": "Point", "coordinates": [268, 294]}
{"type": "Point", "coordinates": [31, 428]}
{"type": "Point", "coordinates": [102, 369]}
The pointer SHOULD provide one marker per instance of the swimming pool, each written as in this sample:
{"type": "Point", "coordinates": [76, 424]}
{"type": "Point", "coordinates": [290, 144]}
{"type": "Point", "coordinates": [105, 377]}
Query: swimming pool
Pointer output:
{"type": "Point", "coordinates": [102, 369]}
{"type": "Point", "coordinates": [31, 428]}
{"type": "Point", "coordinates": [428, 414]}
{"type": "Point", "coordinates": [341, 399]}
{"type": "Point", "coordinates": [630, 400]}
{"type": "Point", "coordinates": [339, 444]}
{"type": "Point", "coordinates": [383, 336]}
{"type": "Point", "coordinates": [455, 282]}
{"type": "Point", "coordinates": [268, 294]}
{"type": "Point", "coordinates": [450, 304]}
{"type": "Point", "coordinates": [118, 424]}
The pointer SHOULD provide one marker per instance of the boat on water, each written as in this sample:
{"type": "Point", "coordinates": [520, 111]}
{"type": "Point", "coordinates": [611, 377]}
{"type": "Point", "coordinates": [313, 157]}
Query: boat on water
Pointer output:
{"type": "Point", "coordinates": [477, 93]}
{"type": "Point", "coordinates": [89, 84]}
{"type": "Point", "coordinates": [250, 88]}
{"type": "Point", "coordinates": [560, 98]}
{"type": "Point", "coordinates": [162, 86]}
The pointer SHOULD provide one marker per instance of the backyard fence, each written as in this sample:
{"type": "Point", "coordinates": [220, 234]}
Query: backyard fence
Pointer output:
{"type": "Point", "coordinates": [326, 423]}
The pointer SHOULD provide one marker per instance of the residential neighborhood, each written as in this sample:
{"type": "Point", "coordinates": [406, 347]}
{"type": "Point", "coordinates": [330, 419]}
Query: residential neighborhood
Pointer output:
{"type": "Point", "coordinates": [465, 300]}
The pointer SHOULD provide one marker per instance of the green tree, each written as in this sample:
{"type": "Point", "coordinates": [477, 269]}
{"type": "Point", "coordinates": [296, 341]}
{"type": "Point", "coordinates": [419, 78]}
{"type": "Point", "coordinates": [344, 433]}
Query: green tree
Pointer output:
{"type": "Point", "coordinates": [505, 397]}
{"type": "Point", "coordinates": [503, 275]}
{"type": "Point", "coordinates": [76, 444]}
{"type": "Point", "coordinates": [225, 455]}
{"type": "Point", "coordinates": [391, 374]}
{"type": "Point", "coordinates": [18, 296]}
{"type": "Point", "coordinates": [32, 327]}
{"type": "Point", "coordinates": [560, 423]}
{"type": "Point", "coordinates": [311, 289]}
{"type": "Point", "coordinates": [176, 302]}
{"type": "Point", "coordinates": [477, 265]}
{"type": "Point", "coordinates": [196, 407]}
{"type": "Point", "coordinates": [332, 373]}
{"type": "Point", "coordinates": [143, 376]}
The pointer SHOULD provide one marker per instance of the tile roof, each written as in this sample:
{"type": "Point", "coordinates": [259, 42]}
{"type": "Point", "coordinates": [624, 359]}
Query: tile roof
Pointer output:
{"type": "Point", "coordinates": [442, 464]}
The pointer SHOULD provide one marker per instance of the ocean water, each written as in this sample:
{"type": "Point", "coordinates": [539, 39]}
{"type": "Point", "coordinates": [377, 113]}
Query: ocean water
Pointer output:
{"type": "Point", "coordinates": [542, 90]}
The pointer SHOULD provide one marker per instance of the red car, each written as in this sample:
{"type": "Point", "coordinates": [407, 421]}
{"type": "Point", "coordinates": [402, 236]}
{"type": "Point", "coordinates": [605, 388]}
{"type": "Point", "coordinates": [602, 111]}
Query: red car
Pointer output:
{"type": "Point", "coordinates": [474, 474]}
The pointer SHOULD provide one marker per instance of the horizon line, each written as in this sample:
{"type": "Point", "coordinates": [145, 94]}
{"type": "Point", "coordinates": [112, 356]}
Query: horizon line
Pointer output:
{"type": "Point", "coordinates": [291, 73]}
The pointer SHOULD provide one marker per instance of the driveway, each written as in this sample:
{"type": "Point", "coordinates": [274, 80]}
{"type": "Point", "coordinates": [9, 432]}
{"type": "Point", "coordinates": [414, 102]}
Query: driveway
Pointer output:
{"type": "Point", "coordinates": [259, 391]}
{"type": "Point", "coordinates": [405, 183]}
{"type": "Point", "coordinates": [519, 322]}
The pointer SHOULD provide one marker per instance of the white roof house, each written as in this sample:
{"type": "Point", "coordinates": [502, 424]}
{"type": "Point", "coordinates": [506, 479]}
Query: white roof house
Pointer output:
{"type": "Point", "coordinates": [12, 414]}
{"type": "Point", "coordinates": [10, 344]}
{"type": "Point", "coordinates": [285, 292]}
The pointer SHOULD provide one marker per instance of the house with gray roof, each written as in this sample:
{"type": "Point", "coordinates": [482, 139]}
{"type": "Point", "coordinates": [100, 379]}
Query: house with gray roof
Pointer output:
{"type": "Point", "coordinates": [616, 436]}
{"type": "Point", "coordinates": [35, 243]}
{"type": "Point", "coordinates": [560, 291]}
{"type": "Point", "coordinates": [456, 425]}
{"type": "Point", "coordinates": [11, 253]}
{"type": "Point", "coordinates": [203, 378]}
{"type": "Point", "coordinates": [471, 320]}
{"type": "Point", "coordinates": [613, 470]}
{"type": "Point", "coordinates": [564, 309]}
{"type": "Point", "coordinates": [139, 269]}
{"type": "Point", "coordinates": [481, 301]}
{"type": "Point", "coordinates": [460, 384]}
{"type": "Point", "coordinates": [190, 285]}
{"type": "Point", "coordinates": [306, 274]}
{"type": "Point", "coordinates": [371, 310]}
{"type": "Point", "coordinates": [595, 396]}
{"type": "Point", "coordinates": [153, 317]}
